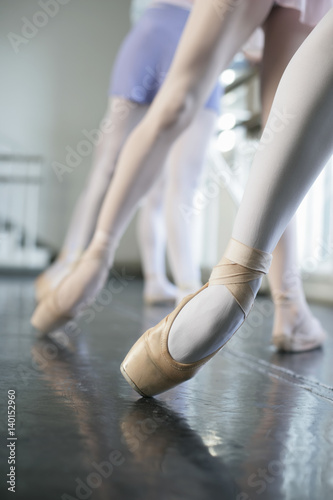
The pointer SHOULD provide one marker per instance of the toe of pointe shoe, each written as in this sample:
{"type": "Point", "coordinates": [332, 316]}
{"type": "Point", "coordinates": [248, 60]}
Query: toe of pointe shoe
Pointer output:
{"type": "Point", "coordinates": [46, 316]}
{"type": "Point", "coordinates": [149, 367]}
{"type": "Point", "coordinates": [142, 374]}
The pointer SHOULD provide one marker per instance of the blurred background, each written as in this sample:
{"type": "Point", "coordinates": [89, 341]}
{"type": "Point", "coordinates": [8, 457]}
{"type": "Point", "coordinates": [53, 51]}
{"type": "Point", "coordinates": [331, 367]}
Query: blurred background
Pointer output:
{"type": "Point", "coordinates": [54, 82]}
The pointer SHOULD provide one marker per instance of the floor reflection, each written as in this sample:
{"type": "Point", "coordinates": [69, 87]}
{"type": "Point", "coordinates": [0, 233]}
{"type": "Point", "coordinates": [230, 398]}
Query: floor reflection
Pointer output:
{"type": "Point", "coordinates": [253, 424]}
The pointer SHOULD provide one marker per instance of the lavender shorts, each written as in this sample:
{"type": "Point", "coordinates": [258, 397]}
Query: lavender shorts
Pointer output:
{"type": "Point", "coordinates": [146, 55]}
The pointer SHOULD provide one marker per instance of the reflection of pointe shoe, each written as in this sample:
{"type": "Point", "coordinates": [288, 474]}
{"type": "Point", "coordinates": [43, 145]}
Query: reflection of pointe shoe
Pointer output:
{"type": "Point", "coordinates": [75, 292]}
{"type": "Point", "coordinates": [158, 292]}
{"type": "Point", "coordinates": [158, 438]}
{"type": "Point", "coordinates": [148, 430]}
{"type": "Point", "coordinates": [303, 332]}
{"type": "Point", "coordinates": [149, 367]}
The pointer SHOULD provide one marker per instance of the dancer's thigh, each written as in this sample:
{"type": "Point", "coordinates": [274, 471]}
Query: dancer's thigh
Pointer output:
{"type": "Point", "coordinates": [284, 34]}
{"type": "Point", "coordinates": [215, 31]}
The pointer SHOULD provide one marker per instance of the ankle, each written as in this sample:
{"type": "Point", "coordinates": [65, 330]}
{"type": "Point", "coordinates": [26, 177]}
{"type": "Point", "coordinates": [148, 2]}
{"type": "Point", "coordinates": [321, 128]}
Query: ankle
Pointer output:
{"type": "Point", "coordinates": [102, 246]}
{"type": "Point", "coordinates": [288, 297]}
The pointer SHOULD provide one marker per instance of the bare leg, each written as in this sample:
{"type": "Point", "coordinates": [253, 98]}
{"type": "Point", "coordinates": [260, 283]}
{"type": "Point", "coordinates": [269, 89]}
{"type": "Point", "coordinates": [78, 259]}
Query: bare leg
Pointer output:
{"type": "Point", "coordinates": [295, 145]}
{"type": "Point", "coordinates": [294, 325]}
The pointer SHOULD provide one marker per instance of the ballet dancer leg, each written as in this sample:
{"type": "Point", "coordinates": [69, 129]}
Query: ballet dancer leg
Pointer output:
{"type": "Point", "coordinates": [291, 153]}
{"type": "Point", "coordinates": [295, 145]}
{"type": "Point", "coordinates": [151, 231]}
{"type": "Point", "coordinates": [180, 179]}
{"type": "Point", "coordinates": [295, 328]}
{"type": "Point", "coordinates": [185, 166]}
{"type": "Point", "coordinates": [215, 31]}
{"type": "Point", "coordinates": [120, 119]}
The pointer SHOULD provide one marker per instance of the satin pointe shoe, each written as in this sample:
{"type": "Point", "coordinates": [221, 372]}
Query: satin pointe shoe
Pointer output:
{"type": "Point", "coordinates": [42, 286]}
{"type": "Point", "coordinates": [73, 294]}
{"type": "Point", "coordinates": [159, 291]}
{"type": "Point", "coordinates": [305, 334]}
{"type": "Point", "coordinates": [148, 367]}
{"type": "Point", "coordinates": [53, 275]}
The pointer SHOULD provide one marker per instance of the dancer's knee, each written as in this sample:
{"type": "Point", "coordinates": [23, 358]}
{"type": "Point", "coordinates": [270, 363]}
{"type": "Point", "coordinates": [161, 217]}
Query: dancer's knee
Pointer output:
{"type": "Point", "coordinates": [176, 114]}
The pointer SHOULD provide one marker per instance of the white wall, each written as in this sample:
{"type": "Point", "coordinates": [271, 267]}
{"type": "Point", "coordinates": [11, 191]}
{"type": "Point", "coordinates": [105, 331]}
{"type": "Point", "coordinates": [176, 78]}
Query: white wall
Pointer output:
{"type": "Point", "coordinates": [54, 87]}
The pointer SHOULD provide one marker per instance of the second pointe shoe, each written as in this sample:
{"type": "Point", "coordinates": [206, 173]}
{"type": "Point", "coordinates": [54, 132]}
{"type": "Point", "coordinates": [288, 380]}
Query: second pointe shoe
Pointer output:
{"type": "Point", "coordinates": [148, 367]}
{"type": "Point", "coordinates": [295, 327]}
{"type": "Point", "coordinates": [53, 275]}
{"type": "Point", "coordinates": [158, 291]}
{"type": "Point", "coordinates": [74, 293]}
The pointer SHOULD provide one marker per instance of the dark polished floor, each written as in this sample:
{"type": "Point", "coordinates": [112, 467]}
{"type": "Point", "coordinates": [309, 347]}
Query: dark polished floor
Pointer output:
{"type": "Point", "coordinates": [253, 424]}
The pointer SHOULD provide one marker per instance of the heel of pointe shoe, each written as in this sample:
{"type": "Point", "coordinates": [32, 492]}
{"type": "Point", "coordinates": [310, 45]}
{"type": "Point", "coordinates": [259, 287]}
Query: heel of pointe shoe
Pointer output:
{"type": "Point", "coordinates": [46, 318]}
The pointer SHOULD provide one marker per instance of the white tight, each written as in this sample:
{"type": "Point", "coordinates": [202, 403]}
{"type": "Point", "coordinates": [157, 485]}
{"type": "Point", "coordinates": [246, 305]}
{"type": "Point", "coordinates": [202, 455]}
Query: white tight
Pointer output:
{"type": "Point", "coordinates": [124, 116]}
{"type": "Point", "coordinates": [214, 33]}
{"type": "Point", "coordinates": [295, 145]}
{"type": "Point", "coordinates": [284, 34]}
{"type": "Point", "coordinates": [142, 158]}
{"type": "Point", "coordinates": [175, 188]}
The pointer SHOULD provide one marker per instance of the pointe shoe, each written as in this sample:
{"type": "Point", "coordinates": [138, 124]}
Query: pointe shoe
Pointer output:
{"type": "Point", "coordinates": [304, 334]}
{"type": "Point", "coordinates": [148, 367]}
{"type": "Point", "coordinates": [42, 286]}
{"type": "Point", "coordinates": [68, 299]}
{"type": "Point", "coordinates": [55, 273]}
{"type": "Point", "coordinates": [45, 283]}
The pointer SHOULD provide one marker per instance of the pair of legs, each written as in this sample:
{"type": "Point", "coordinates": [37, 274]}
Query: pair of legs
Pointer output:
{"type": "Point", "coordinates": [174, 350]}
{"type": "Point", "coordinates": [175, 187]}
{"type": "Point", "coordinates": [214, 33]}
{"type": "Point", "coordinates": [160, 212]}
{"type": "Point", "coordinates": [282, 172]}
